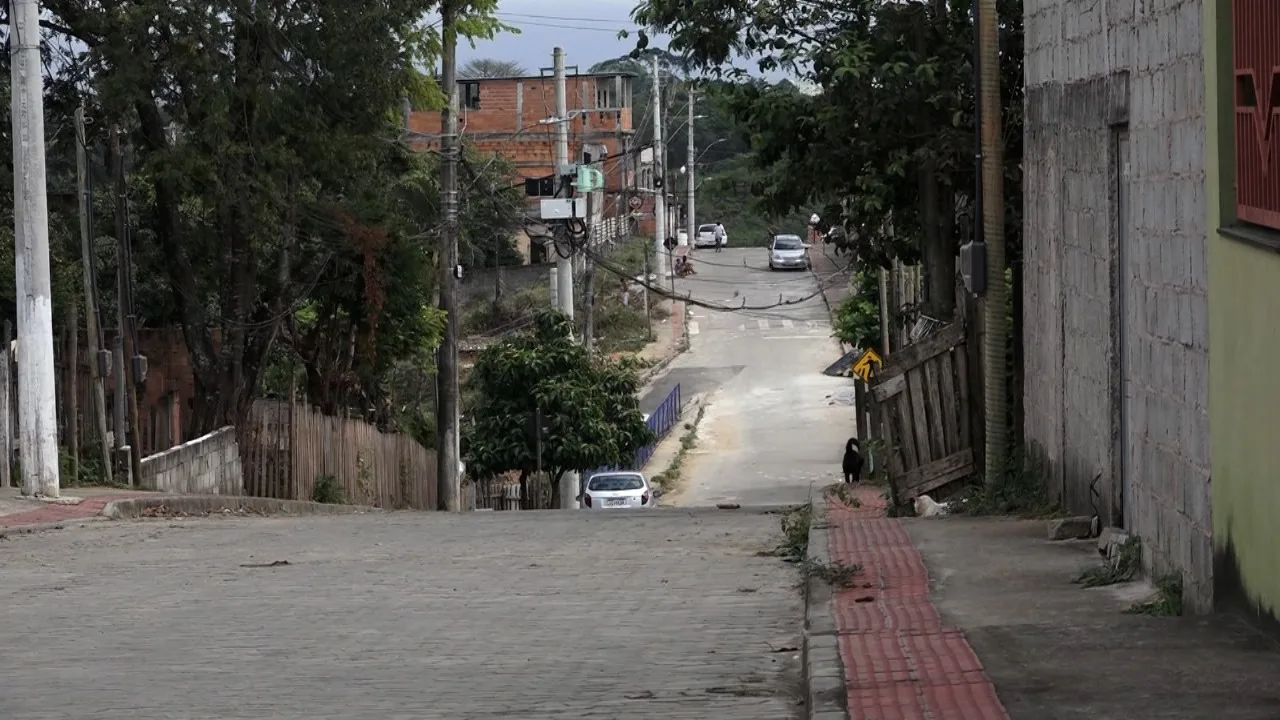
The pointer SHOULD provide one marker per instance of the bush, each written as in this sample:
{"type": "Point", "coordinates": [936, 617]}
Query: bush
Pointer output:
{"type": "Point", "coordinates": [857, 317]}
{"type": "Point", "coordinates": [328, 491]}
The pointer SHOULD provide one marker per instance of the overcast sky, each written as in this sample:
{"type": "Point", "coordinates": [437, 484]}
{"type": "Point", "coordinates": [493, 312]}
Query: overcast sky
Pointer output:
{"type": "Point", "coordinates": [586, 29]}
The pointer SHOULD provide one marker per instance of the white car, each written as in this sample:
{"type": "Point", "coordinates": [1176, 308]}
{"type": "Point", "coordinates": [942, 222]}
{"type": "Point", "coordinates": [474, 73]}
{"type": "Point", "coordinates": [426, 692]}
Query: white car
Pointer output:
{"type": "Point", "coordinates": [707, 236]}
{"type": "Point", "coordinates": [623, 490]}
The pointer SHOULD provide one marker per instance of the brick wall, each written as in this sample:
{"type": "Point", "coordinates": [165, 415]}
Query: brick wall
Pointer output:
{"type": "Point", "coordinates": [208, 465]}
{"type": "Point", "coordinates": [1108, 318]}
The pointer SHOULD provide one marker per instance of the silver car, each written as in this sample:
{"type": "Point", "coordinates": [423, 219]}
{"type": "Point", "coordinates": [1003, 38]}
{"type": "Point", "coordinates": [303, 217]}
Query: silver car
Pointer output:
{"type": "Point", "coordinates": [788, 252]}
{"type": "Point", "coordinates": [624, 490]}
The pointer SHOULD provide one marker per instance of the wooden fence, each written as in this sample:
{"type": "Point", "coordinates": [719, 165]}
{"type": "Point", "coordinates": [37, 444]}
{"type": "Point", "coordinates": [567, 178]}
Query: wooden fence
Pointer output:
{"type": "Point", "coordinates": [922, 402]}
{"type": "Point", "coordinates": [286, 449]}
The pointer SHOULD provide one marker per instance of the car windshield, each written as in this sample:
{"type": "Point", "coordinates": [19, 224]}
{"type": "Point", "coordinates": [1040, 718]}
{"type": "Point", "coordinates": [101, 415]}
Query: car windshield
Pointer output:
{"type": "Point", "coordinates": [615, 483]}
{"type": "Point", "coordinates": [787, 243]}
{"type": "Point", "coordinates": [706, 228]}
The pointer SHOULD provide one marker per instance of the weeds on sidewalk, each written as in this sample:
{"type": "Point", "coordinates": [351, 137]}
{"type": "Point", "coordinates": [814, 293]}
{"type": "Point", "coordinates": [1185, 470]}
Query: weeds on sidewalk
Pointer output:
{"type": "Point", "coordinates": [1168, 600]}
{"type": "Point", "coordinates": [328, 491]}
{"type": "Point", "coordinates": [843, 492]}
{"type": "Point", "coordinates": [1121, 567]}
{"type": "Point", "coordinates": [796, 523]}
{"type": "Point", "coordinates": [1019, 489]}
{"type": "Point", "coordinates": [669, 477]}
{"type": "Point", "coordinates": [836, 574]}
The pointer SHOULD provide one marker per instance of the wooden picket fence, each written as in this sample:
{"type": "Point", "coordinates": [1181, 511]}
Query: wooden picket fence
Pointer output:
{"type": "Point", "coordinates": [287, 448]}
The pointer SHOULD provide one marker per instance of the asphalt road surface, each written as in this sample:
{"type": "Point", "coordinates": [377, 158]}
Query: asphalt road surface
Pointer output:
{"type": "Point", "coordinates": [775, 426]}
{"type": "Point", "coordinates": [406, 616]}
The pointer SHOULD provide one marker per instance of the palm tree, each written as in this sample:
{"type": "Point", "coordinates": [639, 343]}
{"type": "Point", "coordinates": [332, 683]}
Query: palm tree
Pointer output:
{"type": "Point", "coordinates": [490, 68]}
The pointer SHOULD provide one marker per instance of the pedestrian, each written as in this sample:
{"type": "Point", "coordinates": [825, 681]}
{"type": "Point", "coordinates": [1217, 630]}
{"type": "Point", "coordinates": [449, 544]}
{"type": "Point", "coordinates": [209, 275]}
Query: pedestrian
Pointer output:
{"type": "Point", "coordinates": [719, 235]}
{"type": "Point", "coordinates": [852, 462]}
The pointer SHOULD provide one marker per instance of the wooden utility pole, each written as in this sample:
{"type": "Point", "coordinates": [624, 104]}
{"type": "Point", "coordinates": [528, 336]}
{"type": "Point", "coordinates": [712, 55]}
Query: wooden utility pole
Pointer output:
{"type": "Point", "coordinates": [447, 461]}
{"type": "Point", "coordinates": [124, 302]}
{"type": "Point", "coordinates": [6, 409]}
{"type": "Point", "coordinates": [995, 395]}
{"type": "Point", "coordinates": [589, 281]}
{"type": "Point", "coordinates": [93, 334]}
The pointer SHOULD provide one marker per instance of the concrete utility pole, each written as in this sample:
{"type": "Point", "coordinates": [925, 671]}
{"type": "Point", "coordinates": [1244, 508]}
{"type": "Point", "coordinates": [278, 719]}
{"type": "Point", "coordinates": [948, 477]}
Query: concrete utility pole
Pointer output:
{"type": "Point", "coordinates": [690, 223]}
{"type": "Point", "coordinates": [37, 406]}
{"type": "Point", "coordinates": [659, 172]}
{"type": "Point", "coordinates": [93, 335]}
{"type": "Point", "coordinates": [995, 395]}
{"type": "Point", "coordinates": [564, 266]}
{"type": "Point", "coordinates": [449, 487]}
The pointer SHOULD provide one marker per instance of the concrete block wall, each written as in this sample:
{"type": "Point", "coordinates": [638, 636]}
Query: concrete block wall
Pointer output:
{"type": "Point", "coordinates": [208, 465]}
{"type": "Point", "coordinates": [1105, 322]}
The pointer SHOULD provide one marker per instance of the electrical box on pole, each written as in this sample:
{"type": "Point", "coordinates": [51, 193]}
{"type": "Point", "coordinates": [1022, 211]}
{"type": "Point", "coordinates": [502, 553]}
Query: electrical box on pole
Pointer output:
{"type": "Point", "coordinates": [589, 179]}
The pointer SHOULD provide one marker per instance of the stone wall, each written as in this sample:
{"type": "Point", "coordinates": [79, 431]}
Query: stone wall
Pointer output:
{"type": "Point", "coordinates": [1116, 307]}
{"type": "Point", "coordinates": [208, 465]}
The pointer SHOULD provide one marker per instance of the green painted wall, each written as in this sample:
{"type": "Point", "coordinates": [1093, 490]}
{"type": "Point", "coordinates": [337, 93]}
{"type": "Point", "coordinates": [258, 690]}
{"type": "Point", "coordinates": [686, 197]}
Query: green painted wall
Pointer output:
{"type": "Point", "coordinates": [1244, 362]}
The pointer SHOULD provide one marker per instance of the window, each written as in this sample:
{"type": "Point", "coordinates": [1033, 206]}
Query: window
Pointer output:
{"type": "Point", "coordinates": [605, 96]}
{"type": "Point", "coordinates": [615, 483]}
{"type": "Point", "coordinates": [470, 95]}
{"type": "Point", "coordinates": [1255, 25]}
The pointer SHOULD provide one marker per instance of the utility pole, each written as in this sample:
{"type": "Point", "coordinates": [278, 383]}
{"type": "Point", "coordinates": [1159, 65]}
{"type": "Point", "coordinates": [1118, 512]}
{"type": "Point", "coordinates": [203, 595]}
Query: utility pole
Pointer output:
{"type": "Point", "coordinates": [449, 485]}
{"type": "Point", "coordinates": [659, 173]}
{"type": "Point", "coordinates": [93, 335]}
{"type": "Point", "coordinates": [994, 362]}
{"type": "Point", "coordinates": [690, 223]}
{"type": "Point", "coordinates": [37, 412]}
{"type": "Point", "coordinates": [564, 265]}
{"type": "Point", "coordinates": [589, 282]}
{"type": "Point", "coordinates": [129, 367]}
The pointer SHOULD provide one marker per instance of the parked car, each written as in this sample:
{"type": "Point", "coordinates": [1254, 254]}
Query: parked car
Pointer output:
{"type": "Point", "coordinates": [623, 490]}
{"type": "Point", "coordinates": [707, 236]}
{"type": "Point", "coordinates": [788, 252]}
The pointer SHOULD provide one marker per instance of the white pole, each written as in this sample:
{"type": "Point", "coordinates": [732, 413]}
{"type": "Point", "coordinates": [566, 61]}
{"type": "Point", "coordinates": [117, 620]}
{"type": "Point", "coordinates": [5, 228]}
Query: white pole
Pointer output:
{"type": "Point", "coordinates": [690, 222]}
{"type": "Point", "coordinates": [37, 413]}
{"type": "Point", "coordinates": [564, 266]}
{"type": "Point", "coordinates": [659, 173]}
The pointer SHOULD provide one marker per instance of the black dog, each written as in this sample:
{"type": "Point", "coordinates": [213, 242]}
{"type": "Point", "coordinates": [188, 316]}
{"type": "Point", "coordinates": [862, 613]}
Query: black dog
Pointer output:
{"type": "Point", "coordinates": [852, 462]}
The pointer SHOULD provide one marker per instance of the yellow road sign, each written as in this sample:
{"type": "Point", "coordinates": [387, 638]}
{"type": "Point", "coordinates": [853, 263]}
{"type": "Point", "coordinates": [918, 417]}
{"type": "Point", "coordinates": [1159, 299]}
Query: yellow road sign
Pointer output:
{"type": "Point", "coordinates": [864, 367]}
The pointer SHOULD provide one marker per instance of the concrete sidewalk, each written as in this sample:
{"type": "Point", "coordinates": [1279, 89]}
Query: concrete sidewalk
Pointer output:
{"type": "Point", "coordinates": [977, 618]}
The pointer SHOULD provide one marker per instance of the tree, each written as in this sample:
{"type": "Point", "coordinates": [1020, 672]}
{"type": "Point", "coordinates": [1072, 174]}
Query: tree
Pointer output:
{"type": "Point", "coordinates": [886, 144]}
{"type": "Point", "coordinates": [490, 68]}
{"type": "Point", "coordinates": [589, 404]}
{"type": "Point", "coordinates": [262, 139]}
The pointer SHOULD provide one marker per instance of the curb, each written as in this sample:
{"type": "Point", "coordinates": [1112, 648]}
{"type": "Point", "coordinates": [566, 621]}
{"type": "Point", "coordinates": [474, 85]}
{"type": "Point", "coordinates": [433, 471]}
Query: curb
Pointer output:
{"type": "Point", "coordinates": [47, 527]}
{"type": "Point", "coordinates": [826, 697]}
{"type": "Point", "coordinates": [206, 504]}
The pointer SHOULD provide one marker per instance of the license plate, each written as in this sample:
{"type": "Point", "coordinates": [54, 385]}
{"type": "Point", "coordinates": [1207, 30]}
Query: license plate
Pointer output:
{"type": "Point", "coordinates": [619, 502]}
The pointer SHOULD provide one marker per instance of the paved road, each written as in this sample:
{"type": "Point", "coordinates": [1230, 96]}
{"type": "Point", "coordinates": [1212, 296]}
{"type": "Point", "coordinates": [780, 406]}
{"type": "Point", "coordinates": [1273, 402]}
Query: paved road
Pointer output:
{"type": "Point", "coordinates": [665, 614]}
{"type": "Point", "coordinates": [771, 432]}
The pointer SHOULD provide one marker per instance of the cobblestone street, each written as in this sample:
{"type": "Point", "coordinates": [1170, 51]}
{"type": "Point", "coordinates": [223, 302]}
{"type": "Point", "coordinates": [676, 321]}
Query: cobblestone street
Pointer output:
{"type": "Point", "coordinates": [664, 614]}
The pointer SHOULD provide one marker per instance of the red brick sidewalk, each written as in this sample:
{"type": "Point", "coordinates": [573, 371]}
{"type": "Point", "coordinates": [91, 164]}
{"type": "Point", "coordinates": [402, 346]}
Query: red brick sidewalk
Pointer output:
{"type": "Point", "coordinates": [900, 662]}
{"type": "Point", "coordinates": [44, 513]}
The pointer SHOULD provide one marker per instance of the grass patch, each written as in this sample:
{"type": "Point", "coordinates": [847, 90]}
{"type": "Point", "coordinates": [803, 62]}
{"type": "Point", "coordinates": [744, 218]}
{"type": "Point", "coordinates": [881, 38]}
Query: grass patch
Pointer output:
{"type": "Point", "coordinates": [1122, 567]}
{"type": "Point", "coordinates": [843, 492]}
{"type": "Point", "coordinates": [688, 441]}
{"type": "Point", "coordinates": [1168, 600]}
{"type": "Point", "coordinates": [515, 309]}
{"type": "Point", "coordinates": [1019, 489]}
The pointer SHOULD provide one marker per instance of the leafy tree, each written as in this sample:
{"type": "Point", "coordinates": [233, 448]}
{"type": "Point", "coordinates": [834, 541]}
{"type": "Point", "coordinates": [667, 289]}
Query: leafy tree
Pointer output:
{"type": "Point", "coordinates": [262, 138]}
{"type": "Point", "coordinates": [490, 68]}
{"type": "Point", "coordinates": [589, 404]}
{"type": "Point", "coordinates": [886, 144]}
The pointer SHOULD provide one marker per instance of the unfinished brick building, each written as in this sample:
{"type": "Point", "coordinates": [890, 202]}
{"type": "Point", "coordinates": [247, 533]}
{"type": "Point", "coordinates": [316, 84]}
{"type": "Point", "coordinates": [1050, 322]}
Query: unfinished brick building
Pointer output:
{"type": "Point", "coordinates": [507, 116]}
